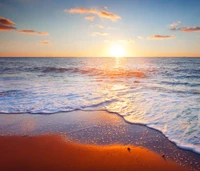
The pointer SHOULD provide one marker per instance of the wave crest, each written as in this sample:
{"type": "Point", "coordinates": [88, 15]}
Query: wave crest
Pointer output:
{"type": "Point", "coordinates": [117, 73]}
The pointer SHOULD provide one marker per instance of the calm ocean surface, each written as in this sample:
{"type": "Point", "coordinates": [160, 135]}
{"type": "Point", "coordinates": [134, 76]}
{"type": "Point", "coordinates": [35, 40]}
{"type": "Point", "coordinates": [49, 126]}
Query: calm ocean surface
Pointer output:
{"type": "Point", "coordinates": [162, 93]}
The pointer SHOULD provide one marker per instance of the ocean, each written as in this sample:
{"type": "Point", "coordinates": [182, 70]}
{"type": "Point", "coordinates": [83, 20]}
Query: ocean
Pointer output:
{"type": "Point", "coordinates": [161, 93]}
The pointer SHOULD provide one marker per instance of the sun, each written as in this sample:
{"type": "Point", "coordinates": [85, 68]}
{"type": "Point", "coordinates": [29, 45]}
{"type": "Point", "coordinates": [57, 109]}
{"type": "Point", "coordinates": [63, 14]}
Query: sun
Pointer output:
{"type": "Point", "coordinates": [117, 50]}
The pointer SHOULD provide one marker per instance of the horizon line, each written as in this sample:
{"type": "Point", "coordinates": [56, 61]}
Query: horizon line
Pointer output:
{"type": "Point", "coordinates": [99, 57]}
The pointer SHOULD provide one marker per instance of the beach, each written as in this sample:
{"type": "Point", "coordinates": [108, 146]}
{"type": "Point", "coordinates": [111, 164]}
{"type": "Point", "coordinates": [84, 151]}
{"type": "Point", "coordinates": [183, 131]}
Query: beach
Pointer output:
{"type": "Point", "coordinates": [53, 153]}
{"type": "Point", "coordinates": [86, 140]}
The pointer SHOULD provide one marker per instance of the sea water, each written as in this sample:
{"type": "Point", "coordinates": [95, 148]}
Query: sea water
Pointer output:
{"type": "Point", "coordinates": [162, 93]}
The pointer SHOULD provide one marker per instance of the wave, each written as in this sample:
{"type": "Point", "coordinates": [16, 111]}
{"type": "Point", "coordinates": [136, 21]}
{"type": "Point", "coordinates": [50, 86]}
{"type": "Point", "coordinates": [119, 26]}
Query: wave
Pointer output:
{"type": "Point", "coordinates": [12, 93]}
{"type": "Point", "coordinates": [96, 72]}
{"type": "Point", "coordinates": [175, 91]}
{"type": "Point", "coordinates": [115, 73]}
{"type": "Point", "coordinates": [180, 84]}
{"type": "Point", "coordinates": [188, 71]}
{"type": "Point", "coordinates": [188, 77]}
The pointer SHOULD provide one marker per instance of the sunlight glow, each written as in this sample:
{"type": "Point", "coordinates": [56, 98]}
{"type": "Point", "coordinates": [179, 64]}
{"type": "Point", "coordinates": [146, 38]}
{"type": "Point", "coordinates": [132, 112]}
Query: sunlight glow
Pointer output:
{"type": "Point", "coordinates": [117, 50]}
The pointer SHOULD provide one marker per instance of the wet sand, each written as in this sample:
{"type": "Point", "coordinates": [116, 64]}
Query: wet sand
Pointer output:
{"type": "Point", "coordinates": [95, 140]}
{"type": "Point", "coordinates": [55, 153]}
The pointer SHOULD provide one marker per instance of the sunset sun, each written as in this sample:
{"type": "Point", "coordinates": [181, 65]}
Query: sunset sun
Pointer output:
{"type": "Point", "coordinates": [117, 50]}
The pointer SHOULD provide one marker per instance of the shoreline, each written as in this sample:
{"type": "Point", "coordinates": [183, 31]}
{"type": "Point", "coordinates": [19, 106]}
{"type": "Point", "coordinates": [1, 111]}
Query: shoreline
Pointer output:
{"type": "Point", "coordinates": [105, 111]}
{"type": "Point", "coordinates": [98, 128]}
{"type": "Point", "coordinates": [141, 124]}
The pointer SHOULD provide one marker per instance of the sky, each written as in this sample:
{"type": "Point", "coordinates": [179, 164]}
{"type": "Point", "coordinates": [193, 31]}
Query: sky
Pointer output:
{"type": "Point", "coordinates": [99, 28]}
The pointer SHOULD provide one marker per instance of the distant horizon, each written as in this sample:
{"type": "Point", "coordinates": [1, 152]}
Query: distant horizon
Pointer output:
{"type": "Point", "coordinates": [98, 57]}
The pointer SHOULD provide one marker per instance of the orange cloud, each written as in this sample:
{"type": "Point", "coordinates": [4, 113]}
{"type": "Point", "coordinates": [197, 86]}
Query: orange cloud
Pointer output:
{"type": "Point", "coordinates": [6, 28]}
{"type": "Point", "coordinates": [190, 29]}
{"type": "Point", "coordinates": [81, 11]}
{"type": "Point", "coordinates": [160, 37]}
{"type": "Point", "coordinates": [33, 32]}
{"type": "Point", "coordinates": [175, 24]}
{"type": "Point", "coordinates": [6, 21]}
{"type": "Point", "coordinates": [6, 24]}
{"type": "Point", "coordinates": [187, 29]}
{"type": "Point", "coordinates": [105, 14]}
{"type": "Point", "coordinates": [90, 18]}
{"type": "Point", "coordinates": [100, 34]}
{"type": "Point", "coordinates": [45, 42]}
{"type": "Point", "coordinates": [101, 14]}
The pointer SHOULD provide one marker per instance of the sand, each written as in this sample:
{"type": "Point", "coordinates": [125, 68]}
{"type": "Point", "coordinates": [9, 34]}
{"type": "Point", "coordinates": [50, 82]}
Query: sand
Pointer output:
{"type": "Point", "coordinates": [96, 140]}
{"type": "Point", "coordinates": [52, 152]}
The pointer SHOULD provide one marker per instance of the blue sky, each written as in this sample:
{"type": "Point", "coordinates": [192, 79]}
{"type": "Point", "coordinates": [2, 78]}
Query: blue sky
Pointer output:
{"type": "Point", "coordinates": [141, 29]}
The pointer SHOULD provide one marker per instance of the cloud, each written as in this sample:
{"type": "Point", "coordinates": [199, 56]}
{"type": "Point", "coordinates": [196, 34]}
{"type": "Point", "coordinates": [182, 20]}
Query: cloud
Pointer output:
{"type": "Point", "coordinates": [160, 37]}
{"type": "Point", "coordinates": [6, 24]}
{"type": "Point", "coordinates": [187, 29]}
{"type": "Point", "coordinates": [90, 18]}
{"type": "Point", "coordinates": [6, 21]}
{"type": "Point", "coordinates": [81, 11]}
{"type": "Point", "coordinates": [45, 42]}
{"type": "Point", "coordinates": [105, 14]}
{"type": "Point", "coordinates": [190, 29]}
{"type": "Point", "coordinates": [100, 34]}
{"type": "Point", "coordinates": [175, 24]}
{"type": "Point", "coordinates": [173, 29]}
{"type": "Point", "coordinates": [140, 37]}
{"type": "Point", "coordinates": [33, 32]}
{"type": "Point", "coordinates": [101, 14]}
{"type": "Point", "coordinates": [6, 28]}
